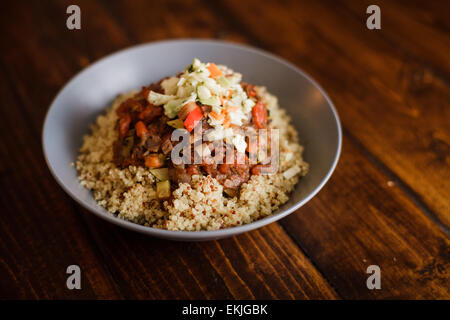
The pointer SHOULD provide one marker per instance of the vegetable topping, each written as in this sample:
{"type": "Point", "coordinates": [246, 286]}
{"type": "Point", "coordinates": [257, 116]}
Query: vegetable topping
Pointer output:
{"type": "Point", "coordinates": [205, 93]}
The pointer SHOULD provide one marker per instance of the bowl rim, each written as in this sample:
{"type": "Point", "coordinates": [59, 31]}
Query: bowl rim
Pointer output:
{"type": "Point", "coordinates": [204, 234]}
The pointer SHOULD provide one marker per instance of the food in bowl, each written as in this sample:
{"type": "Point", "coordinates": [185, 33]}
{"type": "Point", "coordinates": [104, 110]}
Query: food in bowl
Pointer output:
{"type": "Point", "coordinates": [201, 150]}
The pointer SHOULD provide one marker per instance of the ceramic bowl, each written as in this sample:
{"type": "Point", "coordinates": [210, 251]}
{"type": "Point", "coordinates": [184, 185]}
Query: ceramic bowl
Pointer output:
{"type": "Point", "coordinates": [88, 94]}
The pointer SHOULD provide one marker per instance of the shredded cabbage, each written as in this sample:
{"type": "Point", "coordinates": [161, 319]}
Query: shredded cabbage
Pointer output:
{"type": "Point", "coordinates": [195, 85]}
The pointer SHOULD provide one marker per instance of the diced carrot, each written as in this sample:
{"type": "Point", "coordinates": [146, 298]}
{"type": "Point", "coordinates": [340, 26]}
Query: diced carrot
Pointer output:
{"type": "Point", "coordinates": [150, 113]}
{"type": "Point", "coordinates": [214, 71]}
{"type": "Point", "coordinates": [124, 125]}
{"type": "Point", "coordinates": [193, 118]}
{"type": "Point", "coordinates": [217, 116]}
{"type": "Point", "coordinates": [231, 109]}
{"type": "Point", "coordinates": [221, 101]}
{"type": "Point", "coordinates": [259, 113]}
{"type": "Point", "coordinates": [154, 161]}
{"type": "Point", "coordinates": [226, 123]}
{"type": "Point", "coordinates": [230, 94]}
{"type": "Point", "coordinates": [141, 129]}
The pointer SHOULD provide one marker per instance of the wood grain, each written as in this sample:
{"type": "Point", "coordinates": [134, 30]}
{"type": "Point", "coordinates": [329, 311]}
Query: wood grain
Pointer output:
{"type": "Point", "coordinates": [139, 265]}
{"type": "Point", "coordinates": [263, 264]}
{"type": "Point", "coordinates": [419, 28]}
{"type": "Point", "coordinates": [393, 102]}
{"type": "Point", "coordinates": [41, 233]}
{"type": "Point", "coordinates": [360, 220]}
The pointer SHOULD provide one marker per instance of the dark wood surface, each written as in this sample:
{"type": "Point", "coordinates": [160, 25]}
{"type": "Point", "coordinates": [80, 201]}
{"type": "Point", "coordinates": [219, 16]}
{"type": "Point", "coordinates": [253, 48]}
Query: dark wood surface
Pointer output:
{"type": "Point", "coordinates": [386, 204]}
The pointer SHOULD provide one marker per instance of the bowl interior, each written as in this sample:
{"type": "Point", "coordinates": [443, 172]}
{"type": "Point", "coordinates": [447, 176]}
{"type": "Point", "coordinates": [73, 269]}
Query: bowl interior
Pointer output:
{"type": "Point", "coordinates": [87, 94]}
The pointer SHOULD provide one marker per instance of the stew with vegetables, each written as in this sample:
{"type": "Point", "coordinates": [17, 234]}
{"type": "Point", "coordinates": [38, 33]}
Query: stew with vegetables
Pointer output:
{"type": "Point", "coordinates": [216, 99]}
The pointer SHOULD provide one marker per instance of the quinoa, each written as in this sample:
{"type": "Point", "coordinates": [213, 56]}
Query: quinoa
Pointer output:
{"type": "Point", "coordinates": [130, 193]}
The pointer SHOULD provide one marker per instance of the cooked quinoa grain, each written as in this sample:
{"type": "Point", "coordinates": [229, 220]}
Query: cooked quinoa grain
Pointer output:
{"type": "Point", "coordinates": [130, 193]}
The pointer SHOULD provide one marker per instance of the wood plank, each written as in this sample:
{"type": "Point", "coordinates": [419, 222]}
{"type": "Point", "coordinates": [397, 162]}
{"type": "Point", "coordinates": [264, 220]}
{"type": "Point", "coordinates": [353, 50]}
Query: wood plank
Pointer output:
{"type": "Point", "coordinates": [358, 220]}
{"type": "Point", "coordinates": [140, 265]}
{"type": "Point", "coordinates": [227, 269]}
{"type": "Point", "coordinates": [367, 221]}
{"type": "Point", "coordinates": [397, 108]}
{"type": "Point", "coordinates": [41, 230]}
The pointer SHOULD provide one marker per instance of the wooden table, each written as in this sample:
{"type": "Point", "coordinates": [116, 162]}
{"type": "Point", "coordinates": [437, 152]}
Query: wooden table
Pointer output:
{"type": "Point", "coordinates": [387, 203]}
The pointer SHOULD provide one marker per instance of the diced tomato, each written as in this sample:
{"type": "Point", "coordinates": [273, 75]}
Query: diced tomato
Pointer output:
{"type": "Point", "coordinates": [259, 113]}
{"type": "Point", "coordinates": [141, 129]}
{"type": "Point", "coordinates": [193, 118]}
{"type": "Point", "coordinates": [214, 71]}
{"type": "Point", "coordinates": [124, 125]}
{"type": "Point", "coordinates": [250, 90]}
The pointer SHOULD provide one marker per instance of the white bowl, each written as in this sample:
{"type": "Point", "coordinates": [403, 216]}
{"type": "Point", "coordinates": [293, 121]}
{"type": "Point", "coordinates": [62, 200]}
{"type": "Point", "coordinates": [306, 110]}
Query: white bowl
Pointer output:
{"type": "Point", "coordinates": [88, 94]}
